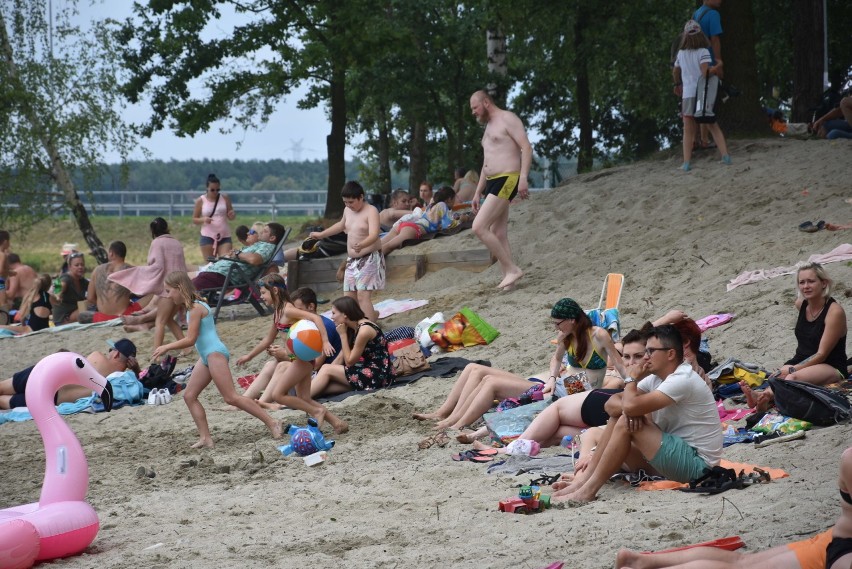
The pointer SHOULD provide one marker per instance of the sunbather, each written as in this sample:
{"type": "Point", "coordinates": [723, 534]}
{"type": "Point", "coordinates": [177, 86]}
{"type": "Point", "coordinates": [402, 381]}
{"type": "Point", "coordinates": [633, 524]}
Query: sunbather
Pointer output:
{"type": "Point", "coordinates": [831, 549]}
{"type": "Point", "coordinates": [478, 386]}
{"type": "Point", "coordinates": [821, 333]}
{"type": "Point", "coordinates": [438, 217]}
{"type": "Point", "coordinates": [400, 204]}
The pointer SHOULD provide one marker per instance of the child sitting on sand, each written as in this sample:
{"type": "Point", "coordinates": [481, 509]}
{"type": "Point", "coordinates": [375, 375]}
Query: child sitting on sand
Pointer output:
{"type": "Point", "coordinates": [213, 363]}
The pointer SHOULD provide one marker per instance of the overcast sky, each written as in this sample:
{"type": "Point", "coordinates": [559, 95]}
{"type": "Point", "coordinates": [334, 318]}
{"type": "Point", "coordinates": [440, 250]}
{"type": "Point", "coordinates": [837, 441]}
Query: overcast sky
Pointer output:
{"type": "Point", "coordinates": [288, 128]}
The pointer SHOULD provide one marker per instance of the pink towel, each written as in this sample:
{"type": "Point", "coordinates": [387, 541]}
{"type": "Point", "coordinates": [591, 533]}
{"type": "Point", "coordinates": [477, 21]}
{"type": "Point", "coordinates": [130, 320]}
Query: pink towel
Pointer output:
{"type": "Point", "coordinates": [715, 320]}
{"type": "Point", "coordinates": [839, 253]}
{"type": "Point", "coordinates": [164, 256]}
{"type": "Point", "coordinates": [732, 414]}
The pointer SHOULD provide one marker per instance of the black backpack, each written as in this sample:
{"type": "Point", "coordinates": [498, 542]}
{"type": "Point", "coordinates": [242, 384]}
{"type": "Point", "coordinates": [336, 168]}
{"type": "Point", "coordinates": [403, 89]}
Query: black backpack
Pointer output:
{"type": "Point", "coordinates": [809, 402]}
{"type": "Point", "coordinates": [157, 375]}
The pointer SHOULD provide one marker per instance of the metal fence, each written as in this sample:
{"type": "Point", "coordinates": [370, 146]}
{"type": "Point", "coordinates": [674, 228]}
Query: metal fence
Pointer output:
{"type": "Point", "coordinates": [266, 204]}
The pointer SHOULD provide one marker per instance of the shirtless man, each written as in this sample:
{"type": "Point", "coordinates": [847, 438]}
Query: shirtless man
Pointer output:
{"type": "Point", "coordinates": [508, 155]}
{"type": "Point", "coordinates": [831, 549]}
{"type": "Point", "coordinates": [121, 356]}
{"type": "Point", "coordinates": [365, 265]}
{"type": "Point", "coordinates": [399, 206]}
{"type": "Point", "coordinates": [21, 278]}
{"type": "Point", "coordinates": [111, 299]}
{"type": "Point", "coordinates": [5, 244]}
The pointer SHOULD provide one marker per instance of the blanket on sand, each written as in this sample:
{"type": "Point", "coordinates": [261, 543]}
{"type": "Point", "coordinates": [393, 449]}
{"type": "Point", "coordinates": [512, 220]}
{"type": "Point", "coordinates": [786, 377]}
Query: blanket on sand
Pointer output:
{"type": "Point", "coordinates": [839, 253]}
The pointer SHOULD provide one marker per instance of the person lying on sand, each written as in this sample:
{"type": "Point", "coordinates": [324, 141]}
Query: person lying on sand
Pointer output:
{"type": "Point", "coordinates": [821, 333]}
{"type": "Point", "coordinates": [831, 549]}
{"type": "Point", "coordinates": [670, 416]}
{"type": "Point", "coordinates": [478, 386]}
{"type": "Point", "coordinates": [120, 357]}
{"type": "Point", "coordinates": [400, 204]}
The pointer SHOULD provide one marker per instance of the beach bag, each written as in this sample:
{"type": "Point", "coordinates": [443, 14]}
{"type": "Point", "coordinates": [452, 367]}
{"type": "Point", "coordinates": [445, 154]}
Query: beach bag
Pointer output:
{"type": "Point", "coordinates": [705, 98]}
{"type": "Point", "coordinates": [408, 359]}
{"type": "Point", "coordinates": [506, 426]}
{"type": "Point", "coordinates": [157, 375]}
{"type": "Point", "coordinates": [125, 387]}
{"type": "Point", "coordinates": [466, 328]}
{"type": "Point", "coordinates": [811, 403]}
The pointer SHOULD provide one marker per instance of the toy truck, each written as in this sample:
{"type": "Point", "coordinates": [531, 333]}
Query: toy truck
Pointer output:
{"type": "Point", "coordinates": [529, 501]}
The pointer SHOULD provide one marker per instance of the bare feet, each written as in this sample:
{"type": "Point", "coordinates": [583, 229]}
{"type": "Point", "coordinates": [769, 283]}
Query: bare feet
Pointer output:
{"type": "Point", "coordinates": [469, 437]}
{"type": "Point", "coordinates": [628, 558]}
{"type": "Point", "coordinates": [427, 416]}
{"type": "Point", "coordinates": [479, 445]}
{"type": "Point", "coordinates": [269, 406]}
{"type": "Point", "coordinates": [277, 430]}
{"type": "Point", "coordinates": [339, 425]}
{"type": "Point", "coordinates": [759, 401]}
{"type": "Point", "coordinates": [137, 327]}
{"type": "Point", "coordinates": [510, 279]}
{"type": "Point", "coordinates": [203, 443]}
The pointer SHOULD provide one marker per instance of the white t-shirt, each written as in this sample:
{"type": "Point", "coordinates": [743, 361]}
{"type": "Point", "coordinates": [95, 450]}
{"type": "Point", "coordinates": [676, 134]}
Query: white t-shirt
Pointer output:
{"type": "Point", "coordinates": [689, 61]}
{"type": "Point", "coordinates": [693, 416]}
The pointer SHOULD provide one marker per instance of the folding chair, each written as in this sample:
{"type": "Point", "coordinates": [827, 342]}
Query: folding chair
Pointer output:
{"type": "Point", "coordinates": [247, 274]}
{"type": "Point", "coordinates": [606, 314]}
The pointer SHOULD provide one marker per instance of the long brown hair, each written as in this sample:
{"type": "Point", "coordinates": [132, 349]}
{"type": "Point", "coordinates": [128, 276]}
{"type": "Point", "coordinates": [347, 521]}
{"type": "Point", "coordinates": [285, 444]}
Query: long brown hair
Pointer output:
{"type": "Point", "coordinates": [277, 287]}
{"type": "Point", "coordinates": [579, 337]}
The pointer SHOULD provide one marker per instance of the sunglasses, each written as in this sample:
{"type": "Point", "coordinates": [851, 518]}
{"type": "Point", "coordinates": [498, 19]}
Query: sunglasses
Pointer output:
{"type": "Point", "coordinates": [74, 256]}
{"type": "Point", "coordinates": [650, 351]}
{"type": "Point", "coordinates": [252, 232]}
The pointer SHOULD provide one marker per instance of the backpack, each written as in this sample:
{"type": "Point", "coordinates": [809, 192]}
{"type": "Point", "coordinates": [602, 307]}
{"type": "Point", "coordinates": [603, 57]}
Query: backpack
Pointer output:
{"type": "Point", "coordinates": [157, 375]}
{"type": "Point", "coordinates": [809, 402]}
{"type": "Point", "coordinates": [705, 98]}
{"type": "Point", "coordinates": [125, 387]}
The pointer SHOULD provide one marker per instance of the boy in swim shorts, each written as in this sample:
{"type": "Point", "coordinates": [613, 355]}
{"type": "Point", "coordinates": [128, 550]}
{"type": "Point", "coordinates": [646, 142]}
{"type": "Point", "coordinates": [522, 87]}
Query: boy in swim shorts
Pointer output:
{"type": "Point", "coordinates": [365, 267]}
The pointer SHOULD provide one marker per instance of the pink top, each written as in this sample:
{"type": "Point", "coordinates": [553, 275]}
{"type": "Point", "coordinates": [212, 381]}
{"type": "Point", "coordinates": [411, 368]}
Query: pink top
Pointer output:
{"type": "Point", "coordinates": [218, 228]}
{"type": "Point", "coordinates": [164, 256]}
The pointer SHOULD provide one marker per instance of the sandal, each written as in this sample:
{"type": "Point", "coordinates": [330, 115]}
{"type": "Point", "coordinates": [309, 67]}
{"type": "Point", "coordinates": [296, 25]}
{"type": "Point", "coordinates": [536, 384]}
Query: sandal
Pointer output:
{"type": "Point", "coordinates": [442, 439]}
{"type": "Point", "coordinates": [474, 456]}
{"type": "Point", "coordinates": [427, 442]}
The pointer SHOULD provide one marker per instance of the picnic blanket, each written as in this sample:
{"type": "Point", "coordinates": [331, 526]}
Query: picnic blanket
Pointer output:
{"type": "Point", "coordinates": [390, 306]}
{"type": "Point", "coordinates": [839, 253]}
{"type": "Point", "coordinates": [442, 367]}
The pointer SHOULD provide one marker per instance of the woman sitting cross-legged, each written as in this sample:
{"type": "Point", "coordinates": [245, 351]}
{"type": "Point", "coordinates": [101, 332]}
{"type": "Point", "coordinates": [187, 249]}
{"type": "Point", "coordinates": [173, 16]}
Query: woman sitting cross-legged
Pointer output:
{"type": "Point", "coordinates": [478, 386]}
{"type": "Point", "coordinates": [821, 333]}
{"type": "Point", "coordinates": [366, 361]}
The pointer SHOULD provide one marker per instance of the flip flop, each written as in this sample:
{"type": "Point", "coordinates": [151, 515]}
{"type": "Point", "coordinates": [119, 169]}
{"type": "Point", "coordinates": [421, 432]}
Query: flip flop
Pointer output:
{"type": "Point", "coordinates": [472, 456]}
{"type": "Point", "coordinates": [808, 227]}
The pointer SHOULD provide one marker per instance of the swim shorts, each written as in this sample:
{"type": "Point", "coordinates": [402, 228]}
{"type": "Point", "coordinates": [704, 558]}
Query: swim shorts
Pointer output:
{"type": "Point", "coordinates": [365, 273]}
{"type": "Point", "coordinates": [418, 230]}
{"type": "Point", "coordinates": [101, 317]}
{"type": "Point", "coordinates": [811, 552]}
{"type": "Point", "coordinates": [504, 186]}
{"type": "Point", "coordinates": [676, 460]}
{"type": "Point", "coordinates": [838, 547]}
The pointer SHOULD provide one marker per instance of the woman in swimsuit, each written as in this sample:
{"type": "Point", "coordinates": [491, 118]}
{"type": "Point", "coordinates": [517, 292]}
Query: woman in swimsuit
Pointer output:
{"type": "Point", "coordinates": [35, 307]}
{"type": "Point", "coordinates": [213, 363]}
{"type": "Point", "coordinates": [820, 356]}
{"type": "Point", "coordinates": [366, 362]}
{"type": "Point", "coordinates": [478, 386]}
{"type": "Point", "coordinates": [296, 373]}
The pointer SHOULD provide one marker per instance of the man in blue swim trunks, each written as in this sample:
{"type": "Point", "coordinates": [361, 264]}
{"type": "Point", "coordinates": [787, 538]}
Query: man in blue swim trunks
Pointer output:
{"type": "Point", "coordinates": [506, 165]}
{"type": "Point", "coordinates": [669, 423]}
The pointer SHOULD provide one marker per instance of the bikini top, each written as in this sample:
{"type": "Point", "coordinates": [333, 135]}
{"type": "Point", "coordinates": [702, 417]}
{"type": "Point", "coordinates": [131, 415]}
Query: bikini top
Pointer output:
{"type": "Point", "coordinates": [595, 360]}
{"type": "Point", "coordinates": [283, 328]}
{"type": "Point", "coordinates": [846, 497]}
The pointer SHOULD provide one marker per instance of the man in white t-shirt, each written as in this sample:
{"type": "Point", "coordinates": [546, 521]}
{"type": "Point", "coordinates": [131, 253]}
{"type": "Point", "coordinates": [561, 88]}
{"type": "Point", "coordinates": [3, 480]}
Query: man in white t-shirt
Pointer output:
{"type": "Point", "coordinates": [669, 423]}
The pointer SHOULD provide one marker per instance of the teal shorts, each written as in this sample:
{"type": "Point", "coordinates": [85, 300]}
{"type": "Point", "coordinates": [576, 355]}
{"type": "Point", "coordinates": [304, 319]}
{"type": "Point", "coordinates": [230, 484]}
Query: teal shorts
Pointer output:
{"type": "Point", "coordinates": [676, 460]}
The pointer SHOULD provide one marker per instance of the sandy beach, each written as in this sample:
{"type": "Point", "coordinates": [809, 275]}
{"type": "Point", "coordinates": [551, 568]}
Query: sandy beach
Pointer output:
{"type": "Point", "coordinates": [379, 501]}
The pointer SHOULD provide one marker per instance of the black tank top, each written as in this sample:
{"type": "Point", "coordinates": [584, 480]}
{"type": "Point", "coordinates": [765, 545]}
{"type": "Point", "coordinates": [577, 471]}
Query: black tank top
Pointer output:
{"type": "Point", "coordinates": [39, 322]}
{"type": "Point", "coordinates": [809, 335]}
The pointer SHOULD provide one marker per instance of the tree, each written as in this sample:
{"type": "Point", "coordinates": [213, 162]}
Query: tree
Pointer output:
{"type": "Point", "coordinates": [741, 115]}
{"type": "Point", "coordinates": [60, 112]}
{"type": "Point", "coordinates": [808, 57]}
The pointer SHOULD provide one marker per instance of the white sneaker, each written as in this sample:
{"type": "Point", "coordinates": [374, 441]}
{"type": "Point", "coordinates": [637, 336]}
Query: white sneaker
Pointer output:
{"type": "Point", "coordinates": [152, 397]}
{"type": "Point", "coordinates": [167, 396]}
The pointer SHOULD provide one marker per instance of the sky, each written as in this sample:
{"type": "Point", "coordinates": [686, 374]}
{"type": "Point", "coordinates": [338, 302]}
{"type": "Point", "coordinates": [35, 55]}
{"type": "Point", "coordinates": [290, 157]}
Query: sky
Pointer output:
{"type": "Point", "coordinates": [290, 134]}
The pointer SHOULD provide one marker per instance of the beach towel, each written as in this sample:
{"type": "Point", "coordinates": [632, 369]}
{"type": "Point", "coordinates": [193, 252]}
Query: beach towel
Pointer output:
{"type": "Point", "coordinates": [775, 473]}
{"type": "Point", "coordinates": [732, 414]}
{"type": "Point", "coordinates": [442, 367]}
{"type": "Point", "coordinates": [708, 322]}
{"type": "Point", "coordinates": [69, 327]}
{"type": "Point", "coordinates": [390, 307]}
{"type": "Point", "coordinates": [839, 253]}
{"type": "Point", "coordinates": [163, 258]}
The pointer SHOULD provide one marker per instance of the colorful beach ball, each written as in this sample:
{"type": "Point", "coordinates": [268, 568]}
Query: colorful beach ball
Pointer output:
{"type": "Point", "coordinates": [305, 340]}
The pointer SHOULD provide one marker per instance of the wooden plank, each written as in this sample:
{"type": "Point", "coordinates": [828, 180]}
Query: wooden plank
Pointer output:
{"type": "Point", "coordinates": [405, 268]}
{"type": "Point", "coordinates": [292, 275]}
{"type": "Point", "coordinates": [471, 260]}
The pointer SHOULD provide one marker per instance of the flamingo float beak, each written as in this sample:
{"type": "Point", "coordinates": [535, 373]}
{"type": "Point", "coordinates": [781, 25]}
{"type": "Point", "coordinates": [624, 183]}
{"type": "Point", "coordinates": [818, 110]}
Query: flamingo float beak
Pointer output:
{"type": "Point", "coordinates": [107, 397]}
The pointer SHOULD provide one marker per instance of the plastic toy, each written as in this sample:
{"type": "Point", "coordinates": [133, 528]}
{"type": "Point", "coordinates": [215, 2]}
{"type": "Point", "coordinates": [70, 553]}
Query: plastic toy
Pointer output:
{"type": "Point", "coordinates": [305, 340]}
{"type": "Point", "coordinates": [529, 501]}
{"type": "Point", "coordinates": [305, 440]}
{"type": "Point", "coordinates": [61, 523]}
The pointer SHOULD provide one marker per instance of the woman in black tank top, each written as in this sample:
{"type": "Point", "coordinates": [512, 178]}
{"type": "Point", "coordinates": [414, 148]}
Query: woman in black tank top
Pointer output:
{"type": "Point", "coordinates": [820, 331]}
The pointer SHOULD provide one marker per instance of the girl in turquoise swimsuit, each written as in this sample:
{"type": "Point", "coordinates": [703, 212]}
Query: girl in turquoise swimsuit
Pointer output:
{"type": "Point", "coordinates": [213, 364]}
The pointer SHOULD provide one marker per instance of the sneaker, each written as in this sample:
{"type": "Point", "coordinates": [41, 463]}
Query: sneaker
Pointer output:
{"type": "Point", "coordinates": [152, 397]}
{"type": "Point", "coordinates": [167, 396]}
{"type": "Point", "coordinates": [726, 160]}
{"type": "Point", "coordinates": [686, 167]}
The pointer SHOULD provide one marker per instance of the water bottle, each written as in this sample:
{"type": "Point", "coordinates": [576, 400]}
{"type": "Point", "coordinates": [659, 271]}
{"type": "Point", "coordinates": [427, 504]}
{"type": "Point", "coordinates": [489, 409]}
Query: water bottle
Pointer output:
{"type": "Point", "coordinates": [57, 286]}
{"type": "Point", "coordinates": [568, 442]}
{"type": "Point", "coordinates": [232, 315]}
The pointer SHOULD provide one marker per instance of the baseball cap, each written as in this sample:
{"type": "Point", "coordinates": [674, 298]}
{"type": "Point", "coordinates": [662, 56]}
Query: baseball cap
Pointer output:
{"type": "Point", "coordinates": [691, 28]}
{"type": "Point", "coordinates": [124, 346]}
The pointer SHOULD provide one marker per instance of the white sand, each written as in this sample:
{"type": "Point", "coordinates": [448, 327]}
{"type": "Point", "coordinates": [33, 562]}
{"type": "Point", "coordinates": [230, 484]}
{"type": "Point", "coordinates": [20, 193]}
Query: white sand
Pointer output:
{"type": "Point", "coordinates": [378, 501]}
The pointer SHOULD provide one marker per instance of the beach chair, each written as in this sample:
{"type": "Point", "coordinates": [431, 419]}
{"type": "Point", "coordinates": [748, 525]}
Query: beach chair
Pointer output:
{"type": "Point", "coordinates": [247, 273]}
{"type": "Point", "coordinates": [606, 314]}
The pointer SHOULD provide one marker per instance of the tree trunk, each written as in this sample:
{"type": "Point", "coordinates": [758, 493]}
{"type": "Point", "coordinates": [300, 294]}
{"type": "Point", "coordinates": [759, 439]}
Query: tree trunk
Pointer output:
{"type": "Point", "coordinates": [495, 41]}
{"type": "Point", "coordinates": [336, 143]}
{"type": "Point", "coordinates": [57, 167]}
{"type": "Point", "coordinates": [585, 157]}
{"type": "Point", "coordinates": [740, 116]}
{"type": "Point", "coordinates": [383, 148]}
{"type": "Point", "coordinates": [417, 163]}
{"type": "Point", "coordinates": [808, 58]}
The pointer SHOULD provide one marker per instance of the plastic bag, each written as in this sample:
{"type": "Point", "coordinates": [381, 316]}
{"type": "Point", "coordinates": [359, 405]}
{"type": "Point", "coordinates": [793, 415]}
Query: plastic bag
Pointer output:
{"type": "Point", "coordinates": [506, 426]}
{"type": "Point", "coordinates": [421, 331]}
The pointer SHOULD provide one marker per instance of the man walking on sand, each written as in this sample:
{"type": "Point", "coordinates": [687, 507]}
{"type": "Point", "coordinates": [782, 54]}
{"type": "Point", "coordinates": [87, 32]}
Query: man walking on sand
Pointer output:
{"type": "Point", "coordinates": [506, 165]}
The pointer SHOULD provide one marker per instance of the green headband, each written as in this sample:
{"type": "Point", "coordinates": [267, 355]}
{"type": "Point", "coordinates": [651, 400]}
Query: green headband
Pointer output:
{"type": "Point", "coordinates": [566, 308]}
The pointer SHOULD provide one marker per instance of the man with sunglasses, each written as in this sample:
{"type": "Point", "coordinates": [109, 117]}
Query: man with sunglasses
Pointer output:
{"type": "Point", "coordinates": [120, 357]}
{"type": "Point", "coordinates": [668, 422]}
{"type": "Point", "coordinates": [256, 254]}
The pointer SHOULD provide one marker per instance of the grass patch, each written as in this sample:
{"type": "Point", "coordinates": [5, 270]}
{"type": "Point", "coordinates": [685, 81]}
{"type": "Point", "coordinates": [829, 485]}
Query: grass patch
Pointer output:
{"type": "Point", "coordinates": [41, 244]}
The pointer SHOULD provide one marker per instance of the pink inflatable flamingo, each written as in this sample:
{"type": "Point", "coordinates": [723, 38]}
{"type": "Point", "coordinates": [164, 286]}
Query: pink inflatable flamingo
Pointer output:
{"type": "Point", "coordinates": [61, 523]}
